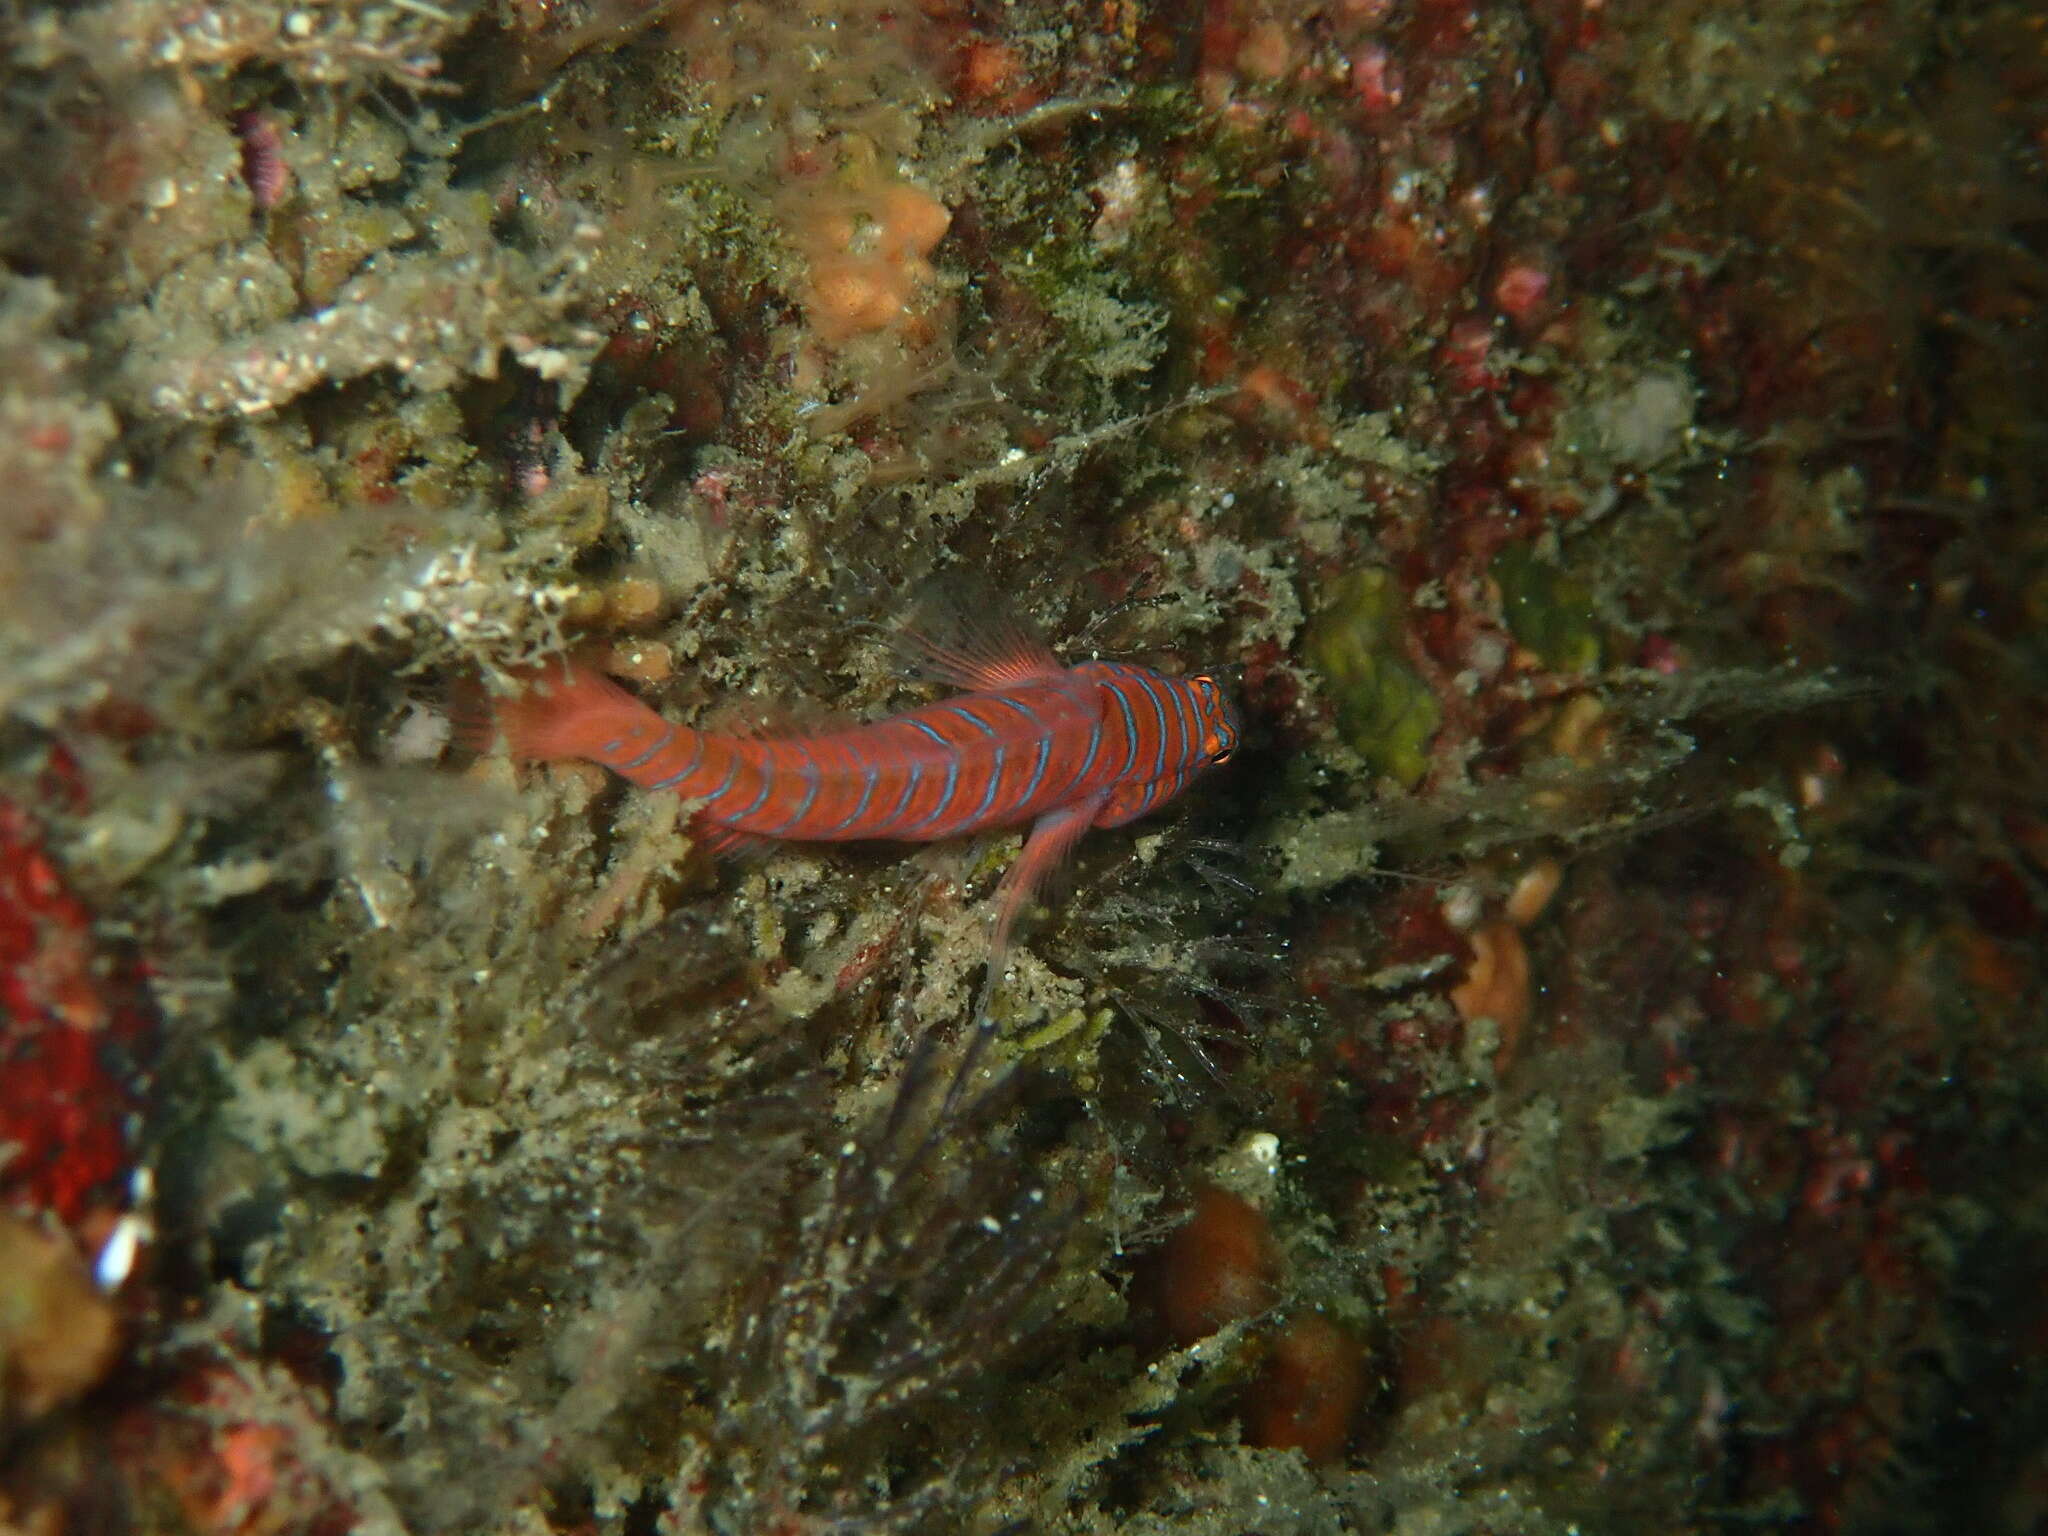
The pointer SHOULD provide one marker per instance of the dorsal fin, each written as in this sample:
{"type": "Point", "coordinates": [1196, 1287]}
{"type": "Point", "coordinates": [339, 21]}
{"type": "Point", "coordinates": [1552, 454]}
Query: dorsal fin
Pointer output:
{"type": "Point", "coordinates": [975, 642]}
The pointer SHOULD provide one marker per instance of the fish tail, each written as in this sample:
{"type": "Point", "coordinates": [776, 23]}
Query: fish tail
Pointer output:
{"type": "Point", "coordinates": [472, 721]}
{"type": "Point", "coordinates": [561, 710]}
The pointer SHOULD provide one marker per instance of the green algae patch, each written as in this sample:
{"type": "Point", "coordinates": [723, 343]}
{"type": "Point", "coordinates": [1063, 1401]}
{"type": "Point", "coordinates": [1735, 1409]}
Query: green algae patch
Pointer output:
{"type": "Point", "coordinates": [1546, 610]}
{"type": "Point", "coordinates": [1384, 711]}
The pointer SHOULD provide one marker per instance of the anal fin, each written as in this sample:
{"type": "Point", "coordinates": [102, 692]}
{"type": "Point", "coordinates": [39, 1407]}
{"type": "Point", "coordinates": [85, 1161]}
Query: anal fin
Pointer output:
{"type": "Point", "coordinates": [1051, 839]}
{"type": "Point", "coordinates": [723, 842]}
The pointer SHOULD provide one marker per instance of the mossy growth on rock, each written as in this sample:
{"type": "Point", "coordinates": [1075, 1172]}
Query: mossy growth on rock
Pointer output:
{"type": "Point", "coordinates": [1385, 712]}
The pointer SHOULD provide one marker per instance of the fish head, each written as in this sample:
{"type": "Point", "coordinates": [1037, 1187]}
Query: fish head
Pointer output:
{"type": "Point", "coordinates": [1216, 720]}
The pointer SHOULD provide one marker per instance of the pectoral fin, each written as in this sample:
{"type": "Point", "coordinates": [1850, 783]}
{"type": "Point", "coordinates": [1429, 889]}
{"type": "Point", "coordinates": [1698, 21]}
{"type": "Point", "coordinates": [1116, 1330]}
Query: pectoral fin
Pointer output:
{"type": "Point", "coordinates": [1052, 838]}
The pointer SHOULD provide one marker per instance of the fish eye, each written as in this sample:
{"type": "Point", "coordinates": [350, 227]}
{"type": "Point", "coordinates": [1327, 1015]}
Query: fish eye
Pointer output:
{"type": "Point", "coordinates": [1219, 740]}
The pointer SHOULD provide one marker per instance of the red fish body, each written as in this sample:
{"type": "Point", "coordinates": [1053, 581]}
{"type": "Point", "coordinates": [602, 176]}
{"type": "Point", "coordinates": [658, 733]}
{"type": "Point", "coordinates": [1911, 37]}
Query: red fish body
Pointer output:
{"type": "Point", "coordinates": [1064, 748]}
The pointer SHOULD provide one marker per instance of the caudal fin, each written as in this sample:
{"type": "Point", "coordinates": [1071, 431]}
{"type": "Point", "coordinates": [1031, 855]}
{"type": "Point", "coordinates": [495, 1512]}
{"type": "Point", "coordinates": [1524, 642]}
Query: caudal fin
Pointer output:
{"type": "Point", "coordinates": [472, 721]}
{"type": "Point", "coordinates": [562, 709]}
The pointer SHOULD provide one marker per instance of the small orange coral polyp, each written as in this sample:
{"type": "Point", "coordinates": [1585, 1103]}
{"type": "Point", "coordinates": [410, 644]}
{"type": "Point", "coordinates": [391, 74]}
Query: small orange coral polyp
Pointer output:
{"type": "Point", "coordinates": [1308, 1395]}
{"type": "Point", "coordinates": [991, 76]}
{"type": "Point", "coordinates": [58, 1335]}
{"type": "Point", "coordinates": [1217, 1268]}
{"type": "Point", "coordinates": [1533, 892]}
{"type": "Point", "coordinates": [867, 253]}
{"type": "Point", "coordinates": [851, 298]}
{"type": "Point", "coordinates": [1221, 1267]}
{"type": "Point", "coordinates": [1496, 986]}
{"type": "Point", "coordinates": [912, 222]}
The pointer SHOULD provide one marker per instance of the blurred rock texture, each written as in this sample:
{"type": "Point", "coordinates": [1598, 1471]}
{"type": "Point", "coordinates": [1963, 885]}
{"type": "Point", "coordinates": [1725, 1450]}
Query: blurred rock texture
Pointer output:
{"type": "Point", "coordinates": [1579, 1070]}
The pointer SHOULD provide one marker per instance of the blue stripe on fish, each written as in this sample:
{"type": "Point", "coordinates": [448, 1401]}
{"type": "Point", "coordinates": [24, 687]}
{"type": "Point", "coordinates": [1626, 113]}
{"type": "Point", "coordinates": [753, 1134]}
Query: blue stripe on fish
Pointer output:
{"type": "Point", "coordinates": [813, 781]}
{"type": "Point", "coordinates": [651, 753]}
{"type": "Point", "coordinates": [696, 757]}
{"type": "Point", "coordinates": [867, 793]}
